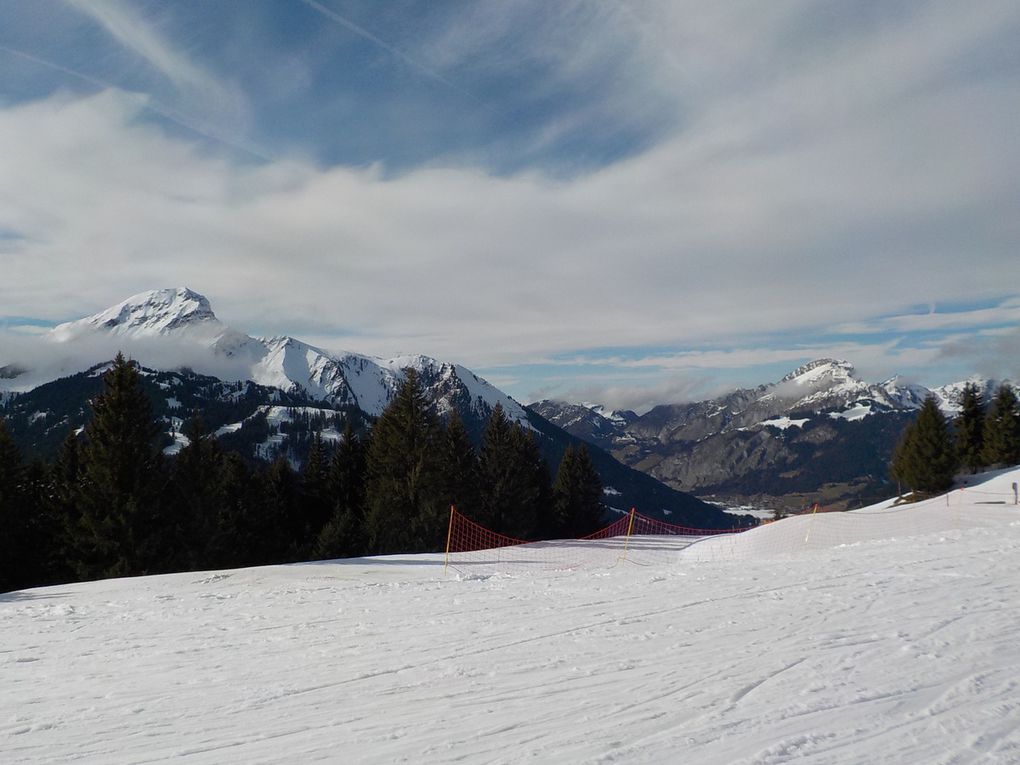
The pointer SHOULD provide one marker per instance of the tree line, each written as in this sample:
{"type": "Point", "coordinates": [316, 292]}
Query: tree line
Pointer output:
{"type": "Point", "coordinates": [933, 449]}
{"type": "Point", "coordinates": [112, 504]}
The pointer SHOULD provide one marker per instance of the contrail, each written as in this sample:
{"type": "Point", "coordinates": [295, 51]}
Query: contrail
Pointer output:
{"type": "Point", "coordinates": [149, 104]}
{"type": "Point", "coordinates": [364, 33]}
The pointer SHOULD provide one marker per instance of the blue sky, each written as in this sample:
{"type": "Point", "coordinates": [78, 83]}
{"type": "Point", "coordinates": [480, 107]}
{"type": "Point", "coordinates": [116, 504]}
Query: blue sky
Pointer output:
{"type": "Point", "coordinates": [629, 202]}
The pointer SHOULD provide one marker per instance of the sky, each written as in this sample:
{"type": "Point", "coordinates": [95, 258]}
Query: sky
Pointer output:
{"type": "Point", "coordinates": [608, 200]}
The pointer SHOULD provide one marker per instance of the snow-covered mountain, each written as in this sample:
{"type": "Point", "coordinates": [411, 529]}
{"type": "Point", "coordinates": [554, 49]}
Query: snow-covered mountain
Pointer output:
{"type": "Point", "coordinates": [769, 440]}
{"type": "Point", "coordinates": [183, 319]}
{"type": "Point", "coordinates": [267, 397]}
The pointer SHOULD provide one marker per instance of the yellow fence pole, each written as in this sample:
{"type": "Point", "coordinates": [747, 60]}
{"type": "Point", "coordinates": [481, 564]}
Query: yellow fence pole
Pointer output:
{"type": "Point", "coordinates": [449, 536]}
{"type": "Point", "coordinates": [626, 541]}
{"type": "Point", "coordinates": [811, 523]}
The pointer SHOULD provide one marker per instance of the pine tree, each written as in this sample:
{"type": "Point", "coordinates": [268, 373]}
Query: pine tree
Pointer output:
{"type": "Point", "coordinates": [970, 429]}
{"type": "Point", "coordinates": [316, 508]}
{"type": "Point", "coordinates": [926, 456]}
{"type": "Point", "coordinates": [514, 478]}
{"type": "Point", "coordinates": [343, 536]}
{"type": "Point", "coordinates": [64, 494]}
{"type": "Point", "coordinates": [404, 509]}
{"type": "Point", "coordinates": [459, 469]}
{"type": "Point", "coordinates": [1002, 429]}
{"type": "Point", "coordinates": [900, 466]}
{"type": "Point", "coordinates": [195, 482]}
{"type": "Point", "coordinates": [281, 517]}
{"type": "Point", "coordinates": [577, 495]}
{"type": "Point", "coordinates": [13, 523]}
{"type": "Point", "coordinates": [237, 537]}
{"type": "Point", "coordinates": [121, 528]}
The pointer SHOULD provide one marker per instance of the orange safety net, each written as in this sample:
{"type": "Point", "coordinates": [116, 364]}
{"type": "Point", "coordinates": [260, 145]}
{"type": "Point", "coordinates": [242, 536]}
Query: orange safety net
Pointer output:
{"type": "Point", "coordinates": [472, 548]}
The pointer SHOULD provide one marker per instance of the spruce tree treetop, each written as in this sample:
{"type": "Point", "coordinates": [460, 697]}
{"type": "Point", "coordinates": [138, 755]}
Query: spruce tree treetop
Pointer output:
{"type": "Point", "coordinates": [970, 429]}
{"type": "Point", "coordinates": [926, 458]}
{"type": "Point", "coordinates": [122, 530]}
{"type": "Point", "coordinates": [459, 469]}
{"type": "Point", "coordinates": [405, 512]}
{"type": "Point", "coordinates": [1002, 429]}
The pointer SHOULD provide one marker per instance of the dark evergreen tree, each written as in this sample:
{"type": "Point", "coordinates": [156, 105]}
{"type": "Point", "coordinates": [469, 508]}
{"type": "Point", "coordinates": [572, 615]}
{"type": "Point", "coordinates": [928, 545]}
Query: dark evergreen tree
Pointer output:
{"type": "Point", "coordinates": [459, 469]}
{"type": "Point", "coordinates": [195, 482]}
{"type": "Point", "coordinates": [514, 478]}
{"type": "Point", "coordinates": [899, 467]}
{"type": "Point", "coordinates": [315, 507]}
{"type": "Point", "coordinates": [343, 536]}
{"type": "Point", "coordinates": [494, 468]}
{"type": "Point", "coordinates": [13, 520]}
{"type": "Point", "coordinates": [405, 508]}
{"type": "Point", "coordinates": [238, 535]}
{"type": "Point", "coordinates": [538, 518]}
{"type": "Point", "coordinates": [64, 496]}
{"type": "Point", "coordinates": [1002, 429]}
{"type": "Point", "coordinates": [970, 429]}
{"type": "Point", "coordinates": [926, 456]}
{"type": "Point", "coordinates": [281, 518]}
{"type": "Point", "coordinates": [44, 531]}
{"type": "Point", "coordinates": [577, 495]}
{"type": "Point", "coordinates": [122, 530]}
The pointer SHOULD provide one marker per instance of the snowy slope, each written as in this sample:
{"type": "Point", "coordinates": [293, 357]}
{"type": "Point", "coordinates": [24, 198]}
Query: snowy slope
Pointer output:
{"type": "Point", "coordinates": [893, 649]}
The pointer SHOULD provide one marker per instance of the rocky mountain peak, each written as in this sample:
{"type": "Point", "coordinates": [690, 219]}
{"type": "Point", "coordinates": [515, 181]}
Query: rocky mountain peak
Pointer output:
{"type": "Point", "coordinates": [156, 312]}
{"type": "Point", "coordinates": [821, 371]}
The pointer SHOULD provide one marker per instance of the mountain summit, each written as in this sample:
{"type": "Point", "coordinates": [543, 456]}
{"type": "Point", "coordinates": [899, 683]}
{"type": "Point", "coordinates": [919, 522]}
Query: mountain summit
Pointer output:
{"type": "Point", "coordinates": [172, 328]}
{"type": "Point", "coordinates": [157, 312]}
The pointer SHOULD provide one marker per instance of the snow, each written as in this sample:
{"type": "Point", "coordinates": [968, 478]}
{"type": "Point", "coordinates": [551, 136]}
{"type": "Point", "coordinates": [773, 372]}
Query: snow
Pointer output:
{"type": "Point", "coordinates": [826, 372]}
{"type": "Point", "coordinates": [898, 647]}
{"type": "Point", "coordinates": [854, 413]}
{"type": "Point", "coordinates": [183, 322]}
{"type": "Point", "coordinates": [180, 441]}
{"type": "Point", "coordinates": [146, 314]}
{"type": "Point", "coordinates": [782, 423]}
{"type": "Point", "coordinates": [760, 513]}
{"type": "Point", "coordinates": [480, 390]}
{"type": "Point", "coordinates": [232, 427]}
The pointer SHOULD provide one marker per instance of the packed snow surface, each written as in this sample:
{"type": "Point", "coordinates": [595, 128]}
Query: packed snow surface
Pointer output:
{"type": "Point", "coordinates": [783, 644]}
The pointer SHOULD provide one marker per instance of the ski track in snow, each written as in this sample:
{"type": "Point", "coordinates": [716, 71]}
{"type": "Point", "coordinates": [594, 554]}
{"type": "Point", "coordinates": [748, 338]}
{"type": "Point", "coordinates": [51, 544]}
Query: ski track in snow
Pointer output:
{"type": "Point", "coordinates": [884, 651]}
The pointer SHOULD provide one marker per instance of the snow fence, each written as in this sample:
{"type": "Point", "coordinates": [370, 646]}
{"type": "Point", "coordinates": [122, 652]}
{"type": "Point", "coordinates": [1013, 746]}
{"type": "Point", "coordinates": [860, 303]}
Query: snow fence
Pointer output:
{"type": "Point", "coordinates": [633, 539]}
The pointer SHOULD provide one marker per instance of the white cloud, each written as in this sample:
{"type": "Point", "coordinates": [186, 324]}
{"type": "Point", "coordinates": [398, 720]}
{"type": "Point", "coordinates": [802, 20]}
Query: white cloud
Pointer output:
{"type": "Point", "coordinates": [1006, 312]}
{"type": "Point", "coordinates": [131, 31]}
{"type": "Point", "coordinates": [202, 101]}
{"type": "Point", "coordinates": [810, 181]}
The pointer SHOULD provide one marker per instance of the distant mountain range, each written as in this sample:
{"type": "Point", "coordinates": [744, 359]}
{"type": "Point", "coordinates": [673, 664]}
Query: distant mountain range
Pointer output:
{"type": "Point", "coordinates": [818, 434]}
{"type": "Point", "coordinates": [265, 397]}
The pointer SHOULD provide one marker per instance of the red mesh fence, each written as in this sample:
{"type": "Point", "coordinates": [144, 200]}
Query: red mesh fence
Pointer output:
{"type": "Point", "coordinates": [633, 538]}
{"type": "Point", "coordinates": [636, 539]}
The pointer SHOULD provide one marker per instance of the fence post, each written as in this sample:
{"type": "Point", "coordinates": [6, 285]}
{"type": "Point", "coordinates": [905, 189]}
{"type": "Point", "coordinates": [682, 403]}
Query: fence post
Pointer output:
{"type": "Point", "coordinates": [449, 535]}
{"type": "Point", "coordinates": [811, 523]}
{"type": "Point", "coordinates": [626, 540]}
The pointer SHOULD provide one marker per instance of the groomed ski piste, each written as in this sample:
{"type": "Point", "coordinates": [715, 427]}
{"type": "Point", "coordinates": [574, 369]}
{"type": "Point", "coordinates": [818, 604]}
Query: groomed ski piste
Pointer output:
{"type": "Point", "coordinates": [887, 635]}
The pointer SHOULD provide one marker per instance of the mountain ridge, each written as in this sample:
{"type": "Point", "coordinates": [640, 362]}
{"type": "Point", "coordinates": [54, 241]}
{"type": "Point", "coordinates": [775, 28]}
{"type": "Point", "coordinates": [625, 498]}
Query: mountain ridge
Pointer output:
{"type": "Point", "coordinates": [343, 378]}
{"type": "Point", "coordinates": [287, 390]}
{"type": "Point", "coordinates": [766, 444]}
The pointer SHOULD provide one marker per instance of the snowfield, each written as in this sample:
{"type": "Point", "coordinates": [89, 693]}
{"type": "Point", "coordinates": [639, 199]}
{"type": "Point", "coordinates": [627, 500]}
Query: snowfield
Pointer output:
{"type": "Point", "coordinates": [897, 645]}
